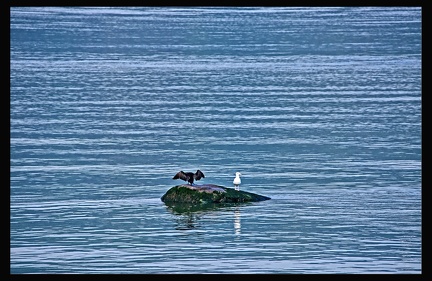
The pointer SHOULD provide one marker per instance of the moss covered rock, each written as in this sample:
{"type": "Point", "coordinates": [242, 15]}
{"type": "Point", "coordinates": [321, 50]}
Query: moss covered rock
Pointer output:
{"type": "Point", "coordinates": [209, 193]}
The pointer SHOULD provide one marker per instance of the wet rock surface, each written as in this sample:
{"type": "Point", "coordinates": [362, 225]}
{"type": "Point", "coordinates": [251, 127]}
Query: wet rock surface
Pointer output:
{"type": "Point", "coordinates": [209, 193]}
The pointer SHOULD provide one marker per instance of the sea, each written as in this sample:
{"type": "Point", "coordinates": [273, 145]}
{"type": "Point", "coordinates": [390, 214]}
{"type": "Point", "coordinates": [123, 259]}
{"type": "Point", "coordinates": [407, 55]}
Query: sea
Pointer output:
{"type": "Point", "coordinates": [319, 108]}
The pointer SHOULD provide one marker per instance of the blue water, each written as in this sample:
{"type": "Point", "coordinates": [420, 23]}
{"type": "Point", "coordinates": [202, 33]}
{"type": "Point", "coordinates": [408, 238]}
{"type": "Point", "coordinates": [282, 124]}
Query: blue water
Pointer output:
{"type": "Point", "coordinates": [318, 108]}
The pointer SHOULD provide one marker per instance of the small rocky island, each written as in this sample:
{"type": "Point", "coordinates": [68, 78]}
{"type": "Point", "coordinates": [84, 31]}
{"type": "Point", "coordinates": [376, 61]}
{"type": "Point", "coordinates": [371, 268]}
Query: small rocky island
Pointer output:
{"type": "Point", "coordinates": [209, 193]}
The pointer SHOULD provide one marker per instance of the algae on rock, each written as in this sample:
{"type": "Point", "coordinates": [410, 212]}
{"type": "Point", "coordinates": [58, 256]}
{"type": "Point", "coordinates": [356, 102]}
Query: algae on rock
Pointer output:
{"type": "Point", "coordinates": [209, 193]}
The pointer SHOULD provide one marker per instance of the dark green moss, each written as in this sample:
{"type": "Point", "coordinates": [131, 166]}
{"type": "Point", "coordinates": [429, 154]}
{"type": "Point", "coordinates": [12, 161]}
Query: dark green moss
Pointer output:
{"type": "Point", "coordinates": [209, 194]}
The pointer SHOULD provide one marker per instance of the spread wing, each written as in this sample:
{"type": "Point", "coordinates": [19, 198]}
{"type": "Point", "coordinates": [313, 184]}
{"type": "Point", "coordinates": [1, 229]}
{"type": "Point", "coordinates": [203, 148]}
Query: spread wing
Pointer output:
{"type": "Point", "coordinates": [181, 175]}
{"type": "Point", "coordinates": [198, 175]}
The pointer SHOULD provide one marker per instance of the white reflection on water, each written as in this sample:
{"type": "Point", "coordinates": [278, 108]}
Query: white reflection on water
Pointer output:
{"type": "Point", "coordinates": [237, 222]}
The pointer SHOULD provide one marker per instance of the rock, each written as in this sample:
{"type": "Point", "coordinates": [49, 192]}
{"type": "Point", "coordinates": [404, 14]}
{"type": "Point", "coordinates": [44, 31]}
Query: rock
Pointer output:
{"type": "Point", "coordinates": [209, 193]}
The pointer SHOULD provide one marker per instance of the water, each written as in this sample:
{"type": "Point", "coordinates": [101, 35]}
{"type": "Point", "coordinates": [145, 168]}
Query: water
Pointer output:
{"type": "Point", "coordinates": [318, 108]}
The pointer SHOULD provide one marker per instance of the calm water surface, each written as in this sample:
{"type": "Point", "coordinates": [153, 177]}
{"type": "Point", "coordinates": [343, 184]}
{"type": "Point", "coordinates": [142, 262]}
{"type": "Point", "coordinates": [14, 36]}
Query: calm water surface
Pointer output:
{"type": "Point", "coordinates": [318, 108]}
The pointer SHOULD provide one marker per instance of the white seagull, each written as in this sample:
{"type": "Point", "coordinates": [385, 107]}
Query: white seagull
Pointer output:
{"type": "Point", "coordinates": [237, 181]}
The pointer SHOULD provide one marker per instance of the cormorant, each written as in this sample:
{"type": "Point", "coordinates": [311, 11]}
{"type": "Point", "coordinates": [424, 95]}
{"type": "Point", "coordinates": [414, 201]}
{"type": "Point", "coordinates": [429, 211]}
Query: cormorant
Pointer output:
{"type": "Point", "coordinates": [189, 177]}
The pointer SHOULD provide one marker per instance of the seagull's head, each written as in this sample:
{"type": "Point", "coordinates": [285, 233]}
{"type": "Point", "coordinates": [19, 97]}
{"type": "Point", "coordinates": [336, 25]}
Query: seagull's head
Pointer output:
{"type": "Point", "coordinates": [238, 174]}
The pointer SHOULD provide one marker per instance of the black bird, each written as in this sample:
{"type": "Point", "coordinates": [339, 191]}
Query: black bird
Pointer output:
{"type": "Point", "coordinates": [189, 177]}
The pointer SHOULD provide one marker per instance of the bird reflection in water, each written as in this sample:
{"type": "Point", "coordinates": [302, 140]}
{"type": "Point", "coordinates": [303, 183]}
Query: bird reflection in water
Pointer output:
{"type": "Point", "coordinates": [237, 223]}
{"type": "Point", "coordinates": [187, 215]}
{"type": "Point", "coordinates": [187, 221]}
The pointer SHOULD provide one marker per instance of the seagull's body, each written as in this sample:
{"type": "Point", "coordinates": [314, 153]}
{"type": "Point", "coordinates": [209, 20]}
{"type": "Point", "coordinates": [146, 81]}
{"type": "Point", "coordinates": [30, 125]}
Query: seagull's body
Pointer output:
{"type": "Point", "coordinates": [237, 181]}
{"type": "Point", "coordinates": [189, 177]}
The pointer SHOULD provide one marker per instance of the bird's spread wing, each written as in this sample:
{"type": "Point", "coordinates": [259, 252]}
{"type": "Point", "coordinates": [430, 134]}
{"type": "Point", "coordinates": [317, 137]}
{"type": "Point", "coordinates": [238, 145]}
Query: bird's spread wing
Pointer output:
{"type": "Point", "coordinates": [181, 175]}
{"type": "Point", "coordinates": [198, 175]}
